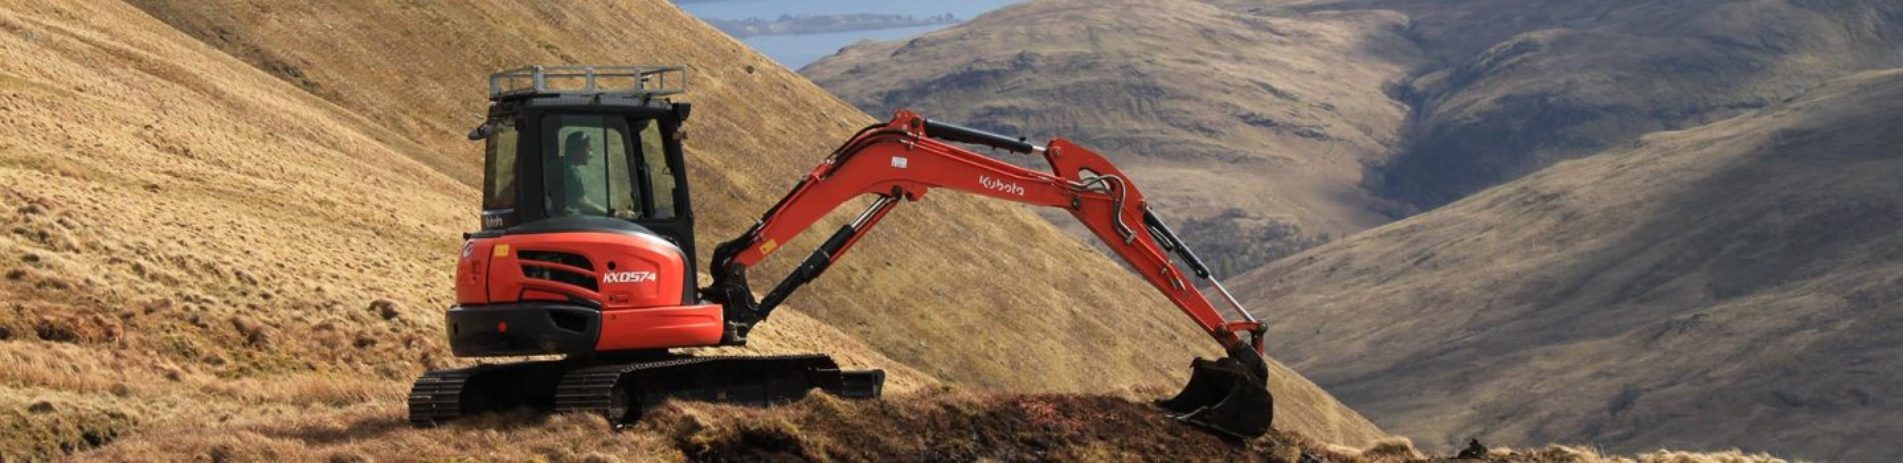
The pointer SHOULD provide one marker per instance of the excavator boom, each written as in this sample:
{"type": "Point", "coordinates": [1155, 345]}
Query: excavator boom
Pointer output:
{"type": "Point", "coordinates": [909, 156]}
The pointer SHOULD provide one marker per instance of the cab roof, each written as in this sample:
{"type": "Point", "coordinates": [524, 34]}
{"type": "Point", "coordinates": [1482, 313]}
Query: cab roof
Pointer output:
{"type": "Point", "coordinates": [588, 82]}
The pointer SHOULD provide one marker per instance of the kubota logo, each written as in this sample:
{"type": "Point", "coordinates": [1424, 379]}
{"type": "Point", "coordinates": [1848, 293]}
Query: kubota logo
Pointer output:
{"type": "Point", "coordinates": [1001, 185]}
{"type": "Point", "coordinates": [627, 277]}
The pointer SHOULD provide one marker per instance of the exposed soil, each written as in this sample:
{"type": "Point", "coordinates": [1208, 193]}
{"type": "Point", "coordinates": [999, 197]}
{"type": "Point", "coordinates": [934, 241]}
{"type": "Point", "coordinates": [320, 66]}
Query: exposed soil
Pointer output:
{"type": "Point", "coordinates": [937, 426]}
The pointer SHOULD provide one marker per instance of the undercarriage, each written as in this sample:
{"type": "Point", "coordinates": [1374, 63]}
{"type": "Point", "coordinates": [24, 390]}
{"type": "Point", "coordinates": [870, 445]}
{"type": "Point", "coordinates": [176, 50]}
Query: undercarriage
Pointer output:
{"type": "Point", "coordinates": [622, 388]}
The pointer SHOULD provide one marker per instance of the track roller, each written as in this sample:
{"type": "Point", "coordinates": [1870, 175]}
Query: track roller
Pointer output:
{"type": "Point", "coordinates": [622, 390]}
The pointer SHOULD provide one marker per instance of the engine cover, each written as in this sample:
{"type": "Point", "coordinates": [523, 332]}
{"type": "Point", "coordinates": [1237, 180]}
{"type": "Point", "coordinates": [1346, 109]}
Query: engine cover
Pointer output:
{"type": "Point", "coordinates": [575, 292]}
{"type": "Point", "coordinates": [608, 270]}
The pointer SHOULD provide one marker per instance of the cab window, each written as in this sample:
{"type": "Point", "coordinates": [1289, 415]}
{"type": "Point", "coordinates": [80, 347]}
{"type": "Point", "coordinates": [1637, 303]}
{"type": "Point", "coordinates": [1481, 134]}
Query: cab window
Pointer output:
{"type": "Point", "coordinates": [587, 173]}
{"type": "Point", "coordinates": [660, 175]}
{"type": "Point", "coordinates": [498, 184]}
{"type": "Point", "coordinates": [607, 166]}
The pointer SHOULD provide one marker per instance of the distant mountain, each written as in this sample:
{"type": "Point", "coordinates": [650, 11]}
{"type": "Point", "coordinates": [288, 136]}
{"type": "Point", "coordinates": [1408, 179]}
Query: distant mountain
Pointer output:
{"type": "Point", "coordinates": [1516, 86]}
{"type": "Point", "coordinates": [1236, 124]}
{"type": "Point", "coordinates": [1736, 284]}
{"type": "Point", "coordinates": [1288, 123]}
{"type": "Point", "coordinates": [821, 24]}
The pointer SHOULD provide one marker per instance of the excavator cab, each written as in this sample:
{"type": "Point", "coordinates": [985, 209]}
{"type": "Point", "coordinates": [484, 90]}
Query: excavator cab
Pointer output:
{"type": "Point", "coordinates": [587, 238]}
{"type": "Point", "coordinates": [585, 150]}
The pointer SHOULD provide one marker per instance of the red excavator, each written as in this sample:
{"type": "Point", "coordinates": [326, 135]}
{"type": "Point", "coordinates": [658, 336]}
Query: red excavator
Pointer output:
{"type": "Point", "coordinates": [587, 252]}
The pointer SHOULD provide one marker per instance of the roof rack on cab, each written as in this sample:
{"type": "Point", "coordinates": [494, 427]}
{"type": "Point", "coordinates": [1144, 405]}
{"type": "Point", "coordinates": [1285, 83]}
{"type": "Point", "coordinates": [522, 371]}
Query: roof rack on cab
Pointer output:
{"type": "Point", "coordinates": [629, 81]}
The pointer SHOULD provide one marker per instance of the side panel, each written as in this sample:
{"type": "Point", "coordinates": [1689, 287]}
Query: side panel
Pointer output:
{"type": "Point", "coordinates": [663, 327]}
{"type": "Point", "coordinates": [472, 283]}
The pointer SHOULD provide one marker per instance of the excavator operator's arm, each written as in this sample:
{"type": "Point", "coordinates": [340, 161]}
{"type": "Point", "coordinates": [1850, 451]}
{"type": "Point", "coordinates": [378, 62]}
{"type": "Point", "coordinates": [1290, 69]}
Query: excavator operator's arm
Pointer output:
{"type": "Point", "coordinates": [905, 158]}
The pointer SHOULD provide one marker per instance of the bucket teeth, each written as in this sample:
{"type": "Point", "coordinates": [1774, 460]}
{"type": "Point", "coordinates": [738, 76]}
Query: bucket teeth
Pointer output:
{"type": "Point", "coordinates": [1224, 396]}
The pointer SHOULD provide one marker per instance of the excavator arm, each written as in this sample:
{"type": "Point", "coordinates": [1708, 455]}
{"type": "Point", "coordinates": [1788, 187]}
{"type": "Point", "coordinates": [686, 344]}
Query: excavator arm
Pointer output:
{"type": "Point", "coordinates": [909, 156]}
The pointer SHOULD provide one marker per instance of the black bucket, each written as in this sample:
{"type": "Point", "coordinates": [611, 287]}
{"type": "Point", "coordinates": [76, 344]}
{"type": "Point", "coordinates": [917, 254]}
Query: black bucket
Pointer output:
{"type": "Point", "coordinates": [1229, 396]}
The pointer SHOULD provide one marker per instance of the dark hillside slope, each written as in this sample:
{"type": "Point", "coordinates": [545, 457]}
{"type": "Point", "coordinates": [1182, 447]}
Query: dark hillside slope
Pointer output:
{"type": "Point", "coordinates": [1519, 85]}
{"type": "Point", "coordinates": [1272, 125]}
{"type": "Point", "coordinates": [1737, 284]}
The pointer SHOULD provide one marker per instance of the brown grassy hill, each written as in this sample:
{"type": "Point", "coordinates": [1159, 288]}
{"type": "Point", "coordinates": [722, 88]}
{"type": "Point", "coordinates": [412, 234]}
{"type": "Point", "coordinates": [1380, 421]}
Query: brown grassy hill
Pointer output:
{"type": "Point", "coordinates": [757, 131]}
{"type": "Point", "coordinates": [1250, 130]}
{"type": "Point", "coordinates": [224, 215]}
{"type": "Point", "coordinates": [1736, 284]}
{"type": "Point", "coordinates": [1516, 86]}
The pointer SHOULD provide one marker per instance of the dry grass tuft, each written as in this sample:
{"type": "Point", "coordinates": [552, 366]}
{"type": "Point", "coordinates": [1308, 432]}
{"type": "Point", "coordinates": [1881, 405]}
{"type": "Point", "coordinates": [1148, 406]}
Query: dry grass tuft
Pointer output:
{"type": "Point", "coordinates": [1392, 450]}
{"type": "Point", "coordinates": [1732, 456]}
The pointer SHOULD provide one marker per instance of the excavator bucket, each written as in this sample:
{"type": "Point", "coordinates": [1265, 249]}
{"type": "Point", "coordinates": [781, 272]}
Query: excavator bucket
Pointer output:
{"type": "Point", "coordinates": [1229, 396]}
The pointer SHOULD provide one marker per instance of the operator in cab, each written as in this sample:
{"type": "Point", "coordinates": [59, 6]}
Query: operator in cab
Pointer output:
{"type": "Point", "coordinates": [578, 154]}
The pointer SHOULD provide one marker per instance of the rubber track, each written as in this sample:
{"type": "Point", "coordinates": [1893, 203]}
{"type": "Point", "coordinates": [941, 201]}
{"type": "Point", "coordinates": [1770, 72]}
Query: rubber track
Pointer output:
{"type": "Point", "coordinates": [437, 396]}
{"type": "Point", "coordinates": [591, 389]}
{"type": "Point", "coordinates": [440, 396]}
